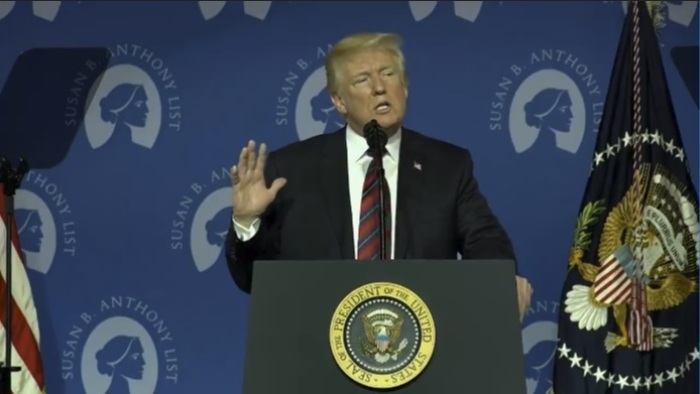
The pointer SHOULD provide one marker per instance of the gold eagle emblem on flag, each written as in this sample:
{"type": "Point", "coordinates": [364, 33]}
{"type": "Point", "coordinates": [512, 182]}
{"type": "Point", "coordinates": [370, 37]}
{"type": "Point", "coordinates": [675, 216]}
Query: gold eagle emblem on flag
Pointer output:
{"type": "Point", "coordinates": [666, 238]}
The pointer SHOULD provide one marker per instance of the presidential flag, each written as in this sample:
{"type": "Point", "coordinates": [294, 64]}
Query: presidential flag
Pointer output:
{"type": "Point", "coordinates": [24, 322]}
{"type": "Point", "coordinates": [629, 306]}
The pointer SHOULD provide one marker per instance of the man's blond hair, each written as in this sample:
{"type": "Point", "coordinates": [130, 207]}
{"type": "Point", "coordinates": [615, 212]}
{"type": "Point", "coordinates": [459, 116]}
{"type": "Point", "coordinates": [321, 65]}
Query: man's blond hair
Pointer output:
{"type": "Point", "coordinates": [359, 42]}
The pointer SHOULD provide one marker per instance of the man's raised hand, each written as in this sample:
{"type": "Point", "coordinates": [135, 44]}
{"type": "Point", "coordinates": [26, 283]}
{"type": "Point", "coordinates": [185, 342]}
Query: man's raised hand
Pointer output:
{"type": "Point", "coordinates": [251, 196]}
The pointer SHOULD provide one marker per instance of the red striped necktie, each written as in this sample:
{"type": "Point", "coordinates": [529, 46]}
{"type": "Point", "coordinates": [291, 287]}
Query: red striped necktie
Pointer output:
{"type": "Point", "coordinates": [368, 244]}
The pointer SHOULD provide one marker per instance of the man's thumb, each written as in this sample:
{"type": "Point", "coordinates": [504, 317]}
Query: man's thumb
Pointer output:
{"type": "Point", "coordinates": [277, 184]}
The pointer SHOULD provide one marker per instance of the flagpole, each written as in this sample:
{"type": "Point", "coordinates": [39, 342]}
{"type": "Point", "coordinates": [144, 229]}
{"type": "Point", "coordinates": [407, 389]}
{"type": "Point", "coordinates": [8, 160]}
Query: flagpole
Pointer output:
{"type": "Point", "coordinates": [11, 179]}
{"type": "Point", "coordinates": [639, 324]}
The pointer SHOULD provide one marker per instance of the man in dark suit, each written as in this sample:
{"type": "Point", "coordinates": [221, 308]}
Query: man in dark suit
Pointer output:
{"type": "Point", "coordinates": [316, 199]}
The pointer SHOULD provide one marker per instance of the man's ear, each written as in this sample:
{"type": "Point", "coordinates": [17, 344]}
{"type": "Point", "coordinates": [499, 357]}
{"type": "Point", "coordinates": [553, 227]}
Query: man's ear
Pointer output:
{"type": "Point", "coordinates": [339, 103]}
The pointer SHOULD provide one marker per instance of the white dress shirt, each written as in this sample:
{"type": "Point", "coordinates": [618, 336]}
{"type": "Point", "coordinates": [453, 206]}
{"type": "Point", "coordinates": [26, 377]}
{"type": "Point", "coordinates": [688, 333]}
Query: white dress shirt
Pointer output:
{"type": "Point", "coordinates": [358, 162]}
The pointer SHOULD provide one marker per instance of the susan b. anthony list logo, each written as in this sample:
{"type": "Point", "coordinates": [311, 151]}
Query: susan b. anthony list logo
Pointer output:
{"type": "Point", "coordinates": [303, 103]}
{"type": "Point", "coordinates": [45, 223]}
{"type": "Point", "coordinates": [202, 219]}
{"type": "Point", "coordinates": [133, 101]}
{"type": "Point", "coordinates": [539, 337]}
{"type": "Point", "coordinates": [123, 345]}
{"type": "Point", "coordinates": [550, 99]}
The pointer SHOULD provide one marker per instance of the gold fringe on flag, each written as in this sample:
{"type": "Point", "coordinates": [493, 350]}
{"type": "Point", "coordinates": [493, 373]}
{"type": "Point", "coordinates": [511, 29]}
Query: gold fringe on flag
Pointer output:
{"type": "Point", "coordinates": [656, 9]}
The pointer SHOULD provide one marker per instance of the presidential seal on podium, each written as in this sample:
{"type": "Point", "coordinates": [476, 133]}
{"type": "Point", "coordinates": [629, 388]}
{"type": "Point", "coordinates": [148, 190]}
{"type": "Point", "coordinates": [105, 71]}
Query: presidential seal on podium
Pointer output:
{"type": "Point", "coordinates": [382, 335]}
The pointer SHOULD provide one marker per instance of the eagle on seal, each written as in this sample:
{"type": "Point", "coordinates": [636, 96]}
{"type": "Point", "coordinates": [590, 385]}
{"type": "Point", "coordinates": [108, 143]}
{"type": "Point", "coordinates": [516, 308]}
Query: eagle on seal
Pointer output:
{"type": "Point", "coordinates": [382, 330]}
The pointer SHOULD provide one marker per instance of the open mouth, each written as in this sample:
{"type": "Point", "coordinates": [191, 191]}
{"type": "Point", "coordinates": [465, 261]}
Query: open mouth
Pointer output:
{"type": "Point", "coordinates": [383, 106]}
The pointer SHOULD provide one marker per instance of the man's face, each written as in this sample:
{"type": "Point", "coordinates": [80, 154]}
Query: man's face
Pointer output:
{"type": "Point", "coordinates": [371, 88]}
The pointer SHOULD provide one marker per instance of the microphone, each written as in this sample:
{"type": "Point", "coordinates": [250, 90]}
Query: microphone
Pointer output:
{"type": "Point", "coordinates": [376, 140]}
{"type": "Point", "coordinates": [376, 137]}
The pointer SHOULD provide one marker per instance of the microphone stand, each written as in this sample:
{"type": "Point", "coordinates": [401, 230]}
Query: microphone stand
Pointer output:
{"type": "Point", "coordinates": [382, 214]}
{"type": "Point", "coordinates": [376, 139]}
{"type": "Point", "coordinates": [11, 179]}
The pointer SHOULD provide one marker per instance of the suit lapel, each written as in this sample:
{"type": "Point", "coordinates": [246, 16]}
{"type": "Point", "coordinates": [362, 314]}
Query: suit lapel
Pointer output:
{"type": "Point", "coordinates": [410, 183]}
{"type": "Point", "coordinates": [334, 185]}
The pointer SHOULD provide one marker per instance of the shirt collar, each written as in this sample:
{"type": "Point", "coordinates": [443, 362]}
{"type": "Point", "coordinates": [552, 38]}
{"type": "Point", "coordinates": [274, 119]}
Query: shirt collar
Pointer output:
{"type": "Point", "coordinates": [357, 146]}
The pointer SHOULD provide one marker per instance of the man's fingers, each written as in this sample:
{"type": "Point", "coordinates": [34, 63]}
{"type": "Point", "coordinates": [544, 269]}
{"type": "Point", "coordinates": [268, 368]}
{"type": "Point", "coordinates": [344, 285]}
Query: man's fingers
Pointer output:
{"type": "Point", "coordinates": [251, 157]}
{"type": "Point", "coordinates": [277, 184]}
{"type": "Point", "coordinates": [262, 155]}
{"type": "Point", "coordinates": [235, 176]}
{"type": "Point", "coordinates": [243, 161]}
{"type": "Point", "coordinates": [524, 290]}
{"type": "Point", "coordinates": [520, 307]}
{"type": "Point", "coordinates": [248, 162]}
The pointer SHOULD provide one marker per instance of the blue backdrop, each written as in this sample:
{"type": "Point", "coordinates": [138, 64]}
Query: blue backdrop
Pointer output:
{"type": "Point", "coordinates": [132, 222]}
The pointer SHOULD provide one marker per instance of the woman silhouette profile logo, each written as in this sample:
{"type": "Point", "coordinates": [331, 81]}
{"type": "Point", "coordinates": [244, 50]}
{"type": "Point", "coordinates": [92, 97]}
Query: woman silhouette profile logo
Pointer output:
{"type": "Point", "coordinates": [121, 358]}
{"type": "Point", "coordinates": [547, 105]}
{"type": "Point", "coordinates": [125, 107]}
{"type": "Point", "coordinates": [550, 112]}
{"type": "Point", "coordinates": [29, 230]}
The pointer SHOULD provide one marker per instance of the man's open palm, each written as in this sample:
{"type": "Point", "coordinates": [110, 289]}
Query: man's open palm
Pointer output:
{"type": "Point", "coordinates": [251, 196]}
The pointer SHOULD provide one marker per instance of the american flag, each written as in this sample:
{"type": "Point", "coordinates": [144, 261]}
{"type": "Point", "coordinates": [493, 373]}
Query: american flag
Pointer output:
{"type": "Point", "coordinates": [26, 352]}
